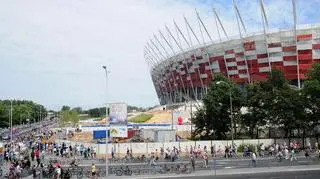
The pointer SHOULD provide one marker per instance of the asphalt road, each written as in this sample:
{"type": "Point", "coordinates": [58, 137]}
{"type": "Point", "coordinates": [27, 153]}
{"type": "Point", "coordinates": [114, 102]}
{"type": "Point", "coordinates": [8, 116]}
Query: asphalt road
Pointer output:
{"type": "Point", "coordinates": [275, 175]}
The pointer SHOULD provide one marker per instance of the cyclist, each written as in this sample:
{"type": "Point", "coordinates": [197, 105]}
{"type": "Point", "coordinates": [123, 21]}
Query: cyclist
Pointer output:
{"type": "Point", "coordinates": [74, 163]}
{"type": "Point", "coordinates": [93, 170]}
{"type": "Point", "coordinates": [58, 171]}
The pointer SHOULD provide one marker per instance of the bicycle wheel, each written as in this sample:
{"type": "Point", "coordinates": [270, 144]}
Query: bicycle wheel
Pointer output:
{"type": "Point", "coordinates": [128, 172]}
{"type": "Point", "coordinates": [137, 171]}
{"type": "Point", "coordinates": [177, 171]}
{"type": "Point", "coordinates": [119, 172]}
{"type": "Point", "coordinates": [88, 174]}
{"type": "Point", "coordinates": [187, 171]}
{"type": "Point", "coordinates": [79, 175]}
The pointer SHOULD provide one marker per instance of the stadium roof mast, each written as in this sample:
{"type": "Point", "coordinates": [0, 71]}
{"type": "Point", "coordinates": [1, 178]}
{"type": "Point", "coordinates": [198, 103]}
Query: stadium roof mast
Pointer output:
{"type": "Point", "coordinates": [175, 55]}
{"type": "Point", "coordinates": [238, 16]}
{"type": "Point", "coordinates": [189, 27]}
{"type": "Point", "coordinates": [155, 78]}
{"type": "Point", "coordinates": [194, 53]}
{"type": "Point", "coordinates": [200, 22]}
{"type": "Point", "coordinates": [159, 59]}
{"type": "Point", "coordinates": [265, 25]}
{"type": "Point", "coordinates": [185, 59]}
{"type": "Point", "coordinates": [148, 61]}
{"type": "Point", "coordinates": [170, 46]}
{"type": "Point", "coordinates": [167, 66]}
{"type": "Point", "coordinates": [172, 76]}
{"type": "Point", "coordinates": [225, 33]}
{"type": "Point", "coordinates": [154, 63]}
{"type": "Point", "coordinates": [294, 12]}
{"type": "Point", "coordinates": [221, 25]}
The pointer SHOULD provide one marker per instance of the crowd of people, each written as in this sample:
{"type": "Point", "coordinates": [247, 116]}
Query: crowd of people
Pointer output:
{"type": "Point", "coordinates": [24, 153]}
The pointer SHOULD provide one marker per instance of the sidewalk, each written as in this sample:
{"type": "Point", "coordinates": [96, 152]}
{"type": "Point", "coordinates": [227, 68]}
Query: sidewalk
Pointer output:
{"type": "Point", "coordinates": [221, 172]}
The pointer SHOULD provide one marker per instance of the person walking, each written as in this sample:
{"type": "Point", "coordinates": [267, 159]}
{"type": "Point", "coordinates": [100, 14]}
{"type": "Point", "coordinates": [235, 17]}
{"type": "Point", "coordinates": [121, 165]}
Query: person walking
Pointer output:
{"type": "Point", "coordinates": [37, 154]}
{"type": "Point", "coordinates": [205, 160]}
{"type": "Point", "coordinates": [193, 162]}
{"type": "Point", "coordinates": [254, 158]}
{"type": "Point", "coordinates": [93, 171]}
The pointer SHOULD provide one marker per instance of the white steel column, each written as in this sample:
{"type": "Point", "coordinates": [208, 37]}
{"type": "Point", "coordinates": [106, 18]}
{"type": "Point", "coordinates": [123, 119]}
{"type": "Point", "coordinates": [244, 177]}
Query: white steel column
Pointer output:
{"type": "Point", "coordinates": [296, 39]}
{"type": "Point", "coordinates": [241, 38]}
{"type": "Point", "coordinates": [264, 24]}
{"type": "Point", "coordinates": [220, 39]}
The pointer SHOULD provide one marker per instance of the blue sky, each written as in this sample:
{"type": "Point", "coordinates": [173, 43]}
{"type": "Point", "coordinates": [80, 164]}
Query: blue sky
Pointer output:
{"type": "Point", "coordinates": [52, 51]}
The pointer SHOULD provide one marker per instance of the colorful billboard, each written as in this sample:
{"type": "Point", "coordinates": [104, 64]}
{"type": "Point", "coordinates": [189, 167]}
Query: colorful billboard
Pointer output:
{"type": "Point", "coordinates": [118, 114]}
{"type": "Point", "coordinates": [118, 120]}
{"type": "Point", "coordinates": [118, 131]}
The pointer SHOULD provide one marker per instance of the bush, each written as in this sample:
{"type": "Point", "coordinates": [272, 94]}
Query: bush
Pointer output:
{"type": "Point", "coordinates": [251, 147]}
{"type": "Point", "coordinates": [141, 118]}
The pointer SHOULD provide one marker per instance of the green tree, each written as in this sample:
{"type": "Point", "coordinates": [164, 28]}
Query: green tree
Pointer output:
{"type": "Point", "coordinates": [65, 117]}
{"type": "Point", "coordinates": [213, 120]}
{"type": "Point", "coordinates": [255, 114]}
{"type": "Point", "coordinates": [74, 117]}
{"type": "Point", "coordinates": [65, 108]}
{"type": "Point", "coordinates": [311, 91]}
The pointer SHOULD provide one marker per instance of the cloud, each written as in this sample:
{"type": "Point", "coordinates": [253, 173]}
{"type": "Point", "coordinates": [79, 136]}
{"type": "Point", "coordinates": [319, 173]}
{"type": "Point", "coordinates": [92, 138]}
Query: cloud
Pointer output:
{"type": "Point", "coordinates": [52, 51]}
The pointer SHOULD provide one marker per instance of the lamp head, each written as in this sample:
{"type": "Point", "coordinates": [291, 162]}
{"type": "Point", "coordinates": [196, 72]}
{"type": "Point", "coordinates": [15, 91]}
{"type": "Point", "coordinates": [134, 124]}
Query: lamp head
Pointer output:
{"type": "Point", "coordinates": [104, 67]}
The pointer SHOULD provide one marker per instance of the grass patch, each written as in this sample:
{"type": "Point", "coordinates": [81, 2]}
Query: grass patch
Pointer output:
{"type": "Point", "coordinates": [141, 118]}
{"type": "Point", "coordinates": [83, 118]}
{"type": "Point", "coordinates": [98, 119]}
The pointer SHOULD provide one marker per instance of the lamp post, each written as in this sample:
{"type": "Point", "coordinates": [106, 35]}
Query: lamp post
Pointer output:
{"type": "Point", "coordinates": [230, 98]}
{"type": "Point", "coordinates": [107, 137]}
{"type": "Point", "coordinates": [11, 136]}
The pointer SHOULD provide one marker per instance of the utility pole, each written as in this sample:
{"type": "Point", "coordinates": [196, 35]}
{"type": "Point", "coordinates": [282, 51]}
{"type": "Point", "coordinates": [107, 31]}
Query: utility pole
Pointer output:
{"type": "Point", "coordinates": [107, 123]}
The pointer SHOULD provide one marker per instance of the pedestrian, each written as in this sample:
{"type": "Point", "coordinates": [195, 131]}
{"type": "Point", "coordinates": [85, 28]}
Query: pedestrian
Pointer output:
{"type": "Point", "coordinates": [93, 170]}
{"type": "Point", "coordinates": [205, 160]}
{"type": "Point", "coordinates": [32, 155]}
{"type": "Point", "coordinates": [254, 158]}
{"type": "Point", "coordinates": [192, 160]}
{"type": "Point", "coordinates": [37, 154]}
{"type": "Point", "coordinates": [34, 171]}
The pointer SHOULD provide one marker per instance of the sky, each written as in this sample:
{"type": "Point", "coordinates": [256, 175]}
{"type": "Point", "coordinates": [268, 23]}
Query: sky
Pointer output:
{"type": "Point", "coordinates": [52, 52]}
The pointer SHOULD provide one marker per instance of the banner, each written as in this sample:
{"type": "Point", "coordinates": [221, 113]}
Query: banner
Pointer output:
{"type": "Point", "coordinates": [118, 120]}
{"type": "Point", "coordinates": [118, 131]}
{"type": "Point", "coordinates": [118, 114]}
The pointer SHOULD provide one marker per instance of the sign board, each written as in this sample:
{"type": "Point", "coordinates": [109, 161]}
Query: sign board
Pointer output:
{"type": "Point", "coordinates": [118, 114]}
{"type": "Point", "coordinates": [118, 131]}
{"type": "Point", "coordinates": [118, 120]}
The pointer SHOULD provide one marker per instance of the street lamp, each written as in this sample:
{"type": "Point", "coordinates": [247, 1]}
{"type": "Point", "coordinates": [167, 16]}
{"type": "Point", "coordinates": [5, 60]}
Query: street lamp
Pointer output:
{"type": "Point", "coordinates": [107, 137]}
{"type": "Point", "coordinates": [230, 98]}
{"type": "Point", "coordinates": [11, 136]}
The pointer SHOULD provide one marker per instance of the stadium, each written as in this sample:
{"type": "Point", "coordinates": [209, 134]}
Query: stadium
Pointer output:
{"type": "Point", "coordinates": [185, 74]}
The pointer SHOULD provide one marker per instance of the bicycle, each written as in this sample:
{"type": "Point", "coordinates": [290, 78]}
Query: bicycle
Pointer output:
{"type": "Point", "coordinates": [183, 170]}
{"type": "Point", "coordinates": [76, 170]}
{"type": "Point", "coordinates": [125, 171]}
{"type": "Point", "coordinates": [97, 174]}
{"type": "Point", "coordinates": [102, 160]}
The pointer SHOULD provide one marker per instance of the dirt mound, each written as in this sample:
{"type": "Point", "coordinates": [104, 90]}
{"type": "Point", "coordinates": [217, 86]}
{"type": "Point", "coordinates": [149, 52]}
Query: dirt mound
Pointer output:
{"type": "Point", "coordinates": [83, 136]}
{"type": "Point", "coordinates": [184, 134]}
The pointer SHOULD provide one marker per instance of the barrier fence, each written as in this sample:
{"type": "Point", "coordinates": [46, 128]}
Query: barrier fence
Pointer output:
{"type": "Point", "coordinates": [149, 147]}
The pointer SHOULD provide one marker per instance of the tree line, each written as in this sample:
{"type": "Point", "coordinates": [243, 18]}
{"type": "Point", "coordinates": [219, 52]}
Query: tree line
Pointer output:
{"type": "Point", "coordinates": [22, 111]}
{"type": "Point", "coordinates": [271, 108]}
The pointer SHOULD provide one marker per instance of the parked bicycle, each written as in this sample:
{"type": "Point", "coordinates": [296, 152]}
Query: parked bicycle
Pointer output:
{"type": "Point", "coordinates": [123, 171]}
{"type": "Point", "coordinates": [184, 170]}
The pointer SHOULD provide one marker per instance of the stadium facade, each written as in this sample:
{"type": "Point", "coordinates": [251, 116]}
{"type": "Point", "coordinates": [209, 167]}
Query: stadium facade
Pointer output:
{"type": "Point", "coordinates": [186, 75]}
